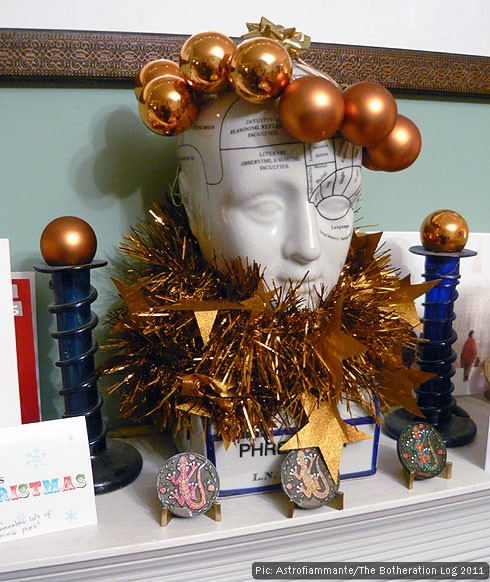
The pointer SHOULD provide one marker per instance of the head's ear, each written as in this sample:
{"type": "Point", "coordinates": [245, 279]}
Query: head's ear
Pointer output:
{"type": "Point", "coordinates": [193, 186]}
{"type": "Point", "coordinates": [184, 187]}
{"type": "Point", "coordinates": [187, 201]}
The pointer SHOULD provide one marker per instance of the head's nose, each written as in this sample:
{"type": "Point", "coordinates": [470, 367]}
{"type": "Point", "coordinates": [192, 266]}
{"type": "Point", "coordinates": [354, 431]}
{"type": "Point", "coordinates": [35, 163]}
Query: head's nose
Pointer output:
{"type": "Point", "coordinates": [302, 243]}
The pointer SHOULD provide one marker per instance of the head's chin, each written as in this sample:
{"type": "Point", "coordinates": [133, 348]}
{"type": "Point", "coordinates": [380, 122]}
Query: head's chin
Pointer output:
{"type": "Point", "coordinates": [310, 297]}
{"type": "Point", "coordinates": [308, 294]}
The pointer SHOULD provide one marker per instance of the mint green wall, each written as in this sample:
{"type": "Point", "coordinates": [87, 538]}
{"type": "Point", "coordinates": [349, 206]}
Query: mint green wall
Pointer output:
{"type": "Point", "coordinates": [452, 170]}
{"type": "Point", "coordinates": [81, 152]}
{"type": "Point", "coordinates": [84, 152]}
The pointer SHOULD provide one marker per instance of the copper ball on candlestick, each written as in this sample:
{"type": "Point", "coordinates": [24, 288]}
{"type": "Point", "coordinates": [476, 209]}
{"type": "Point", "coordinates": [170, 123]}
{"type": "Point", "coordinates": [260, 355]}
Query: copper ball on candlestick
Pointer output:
{"type": "Point", "coordinates": [205, 61]}
{"type": "Point", "coordinates": [444, 231]}
{"type": "Point", "coordinates": [68, 241]}
{"type": "Point", "coordinates": [311, 108]}
{"type": "Point", "coordinates": [261, 69]}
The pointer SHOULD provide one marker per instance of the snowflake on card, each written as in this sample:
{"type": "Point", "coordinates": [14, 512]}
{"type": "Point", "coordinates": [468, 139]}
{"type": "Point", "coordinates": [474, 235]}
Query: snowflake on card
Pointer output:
{"type": "Point", "coordinates": [71, 515]}
{"type": "Point", "coordinates": [21, 518]}
{"type": "Point", "coordinates": [36, 458]}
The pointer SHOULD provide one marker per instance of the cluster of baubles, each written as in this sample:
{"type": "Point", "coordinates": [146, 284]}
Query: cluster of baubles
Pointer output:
{"type": "Point", "coordinates": [312, 108]}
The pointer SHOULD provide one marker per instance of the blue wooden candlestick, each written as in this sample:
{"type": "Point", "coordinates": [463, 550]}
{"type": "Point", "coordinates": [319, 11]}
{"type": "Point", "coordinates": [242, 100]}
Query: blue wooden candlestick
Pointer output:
{"type": "Point", "coordinates": [114, 463]}
{"type": "Point", "coordinates": [436, 355]}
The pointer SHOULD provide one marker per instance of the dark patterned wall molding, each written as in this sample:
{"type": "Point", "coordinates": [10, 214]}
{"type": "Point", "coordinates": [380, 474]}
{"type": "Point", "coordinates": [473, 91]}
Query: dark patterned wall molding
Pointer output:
{"type": "Point", "coordinates": [89, 56]}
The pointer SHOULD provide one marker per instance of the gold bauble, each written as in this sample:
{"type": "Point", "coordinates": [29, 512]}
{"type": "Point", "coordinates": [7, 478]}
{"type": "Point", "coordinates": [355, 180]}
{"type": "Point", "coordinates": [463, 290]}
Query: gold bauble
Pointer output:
{"type": "Point", "coordinates": [370, 113]}
{"type": "Point", "coordinates": [167, 105]}
{"type": "Point", "coordinates": [152, 70]}
{"type": "Point", "coordinates": [68, 241]}
{"type": "Point", "coordinates": [205, 61]}
{"type": "Point", "coordinates": [311, 108]}
{"type": "Point", "coordinates": [444, 231]}
{"type": "Point", "coordinates": [261, 69]}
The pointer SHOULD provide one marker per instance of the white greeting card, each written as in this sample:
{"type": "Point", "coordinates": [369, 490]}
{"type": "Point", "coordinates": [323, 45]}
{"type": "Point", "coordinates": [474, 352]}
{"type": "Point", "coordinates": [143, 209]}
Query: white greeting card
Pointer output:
{"type": "Point", "coordinates": [10, 410]}
{"type": "Point", "coordinates": [46, 481]}
{"type": "Point", "coordinates": [486, 464]}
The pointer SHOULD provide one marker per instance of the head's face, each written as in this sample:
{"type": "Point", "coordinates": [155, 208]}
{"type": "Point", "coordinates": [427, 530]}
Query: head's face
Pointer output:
{"type": "Point", "coordinates": [251, 190]}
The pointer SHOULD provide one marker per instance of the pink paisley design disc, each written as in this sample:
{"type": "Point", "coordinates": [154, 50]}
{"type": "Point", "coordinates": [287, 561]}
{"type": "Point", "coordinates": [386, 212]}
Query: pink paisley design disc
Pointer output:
{"type": "Point", "coordinates": [188, 484]}
{"type": "Point", "coordinates": [306, 479]}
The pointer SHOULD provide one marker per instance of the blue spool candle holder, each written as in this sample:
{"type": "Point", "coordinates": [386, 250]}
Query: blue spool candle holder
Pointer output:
{"type": "Point", "coordinates": [115, 463]}
{"type": "Point", "coordinates": [436, 354]}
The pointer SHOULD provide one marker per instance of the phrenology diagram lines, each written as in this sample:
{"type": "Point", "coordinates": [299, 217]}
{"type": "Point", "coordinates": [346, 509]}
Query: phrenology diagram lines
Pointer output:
{"type": "Point", "coordinates": [334, 177]}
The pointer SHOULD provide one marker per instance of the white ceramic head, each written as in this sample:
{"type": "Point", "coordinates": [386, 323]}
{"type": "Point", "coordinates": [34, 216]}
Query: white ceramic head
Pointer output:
{"type": "Point", "coordinates": [252, 190]}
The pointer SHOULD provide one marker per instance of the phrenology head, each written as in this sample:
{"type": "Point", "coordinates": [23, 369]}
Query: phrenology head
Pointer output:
{"type": "Point", "coordinates": [252, 190]}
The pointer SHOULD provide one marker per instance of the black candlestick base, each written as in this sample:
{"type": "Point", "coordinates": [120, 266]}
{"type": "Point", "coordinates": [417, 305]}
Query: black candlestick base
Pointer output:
{"type": "Point", "coordinates": [116, 466]}
{"type": "Point", "coordinates": [457, 431]}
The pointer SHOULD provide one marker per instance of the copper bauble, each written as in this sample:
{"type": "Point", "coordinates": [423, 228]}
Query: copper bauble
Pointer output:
{"type": "Point", "coordinates": [205, 61]}
{"type": "Point", "coordinates": [68, 241]}
{"type": "Point", "coordinates": [367, 163]}
{"type": "Point", "coordinates": [152, 70]}
{"type": "Point", "coordinates": [399, 150]}
{"type": "Point", "coordinates": [444, 231]}
{"type": "Point", "coordinates": [370, 113]}
{"type": "Point", "coordinates": [261, 69]}
{"type": "Point", "coordinates": [167, 105]}
{"type": "Point", "coordinates": [311, 108]}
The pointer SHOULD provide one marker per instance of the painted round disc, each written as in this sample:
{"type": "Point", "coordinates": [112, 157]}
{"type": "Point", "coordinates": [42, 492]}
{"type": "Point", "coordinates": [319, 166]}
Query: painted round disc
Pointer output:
{"type": "Point", "coordinates": [306, 480]}
{"type": "Point", "coordinates": [421, 450]}
{"type": "Point", "coordinates": [187, 484]}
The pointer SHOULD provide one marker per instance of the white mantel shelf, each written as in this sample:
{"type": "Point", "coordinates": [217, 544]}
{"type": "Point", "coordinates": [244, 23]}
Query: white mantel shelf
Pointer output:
{"type": "Point", "coordinates": [438, 520]}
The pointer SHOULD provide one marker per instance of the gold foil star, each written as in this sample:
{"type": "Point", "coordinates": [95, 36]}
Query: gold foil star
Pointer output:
{"type": "Point", "coordinates": [397, 383]}
{"type": "Point", "coordinates": [402, 299]}
{"type": "Point", "coordinates": [194, 407]}
{"type": "Point", "coordinates": [334, 346]}
{"type": "Point", "coordinates": [132, 296]}
{"type": "Point", "coordinates": [325, 430]}
{"type": "Point", "coordinates": [365, 244]}
{"type": "Point", "coordinates": [205, 321]}
{"type": "Point", "coordinates": [135, 302]}
{"type": "Point", "coordinates": [202, 305]}
{"type": "Point", "coordinates": [205, 395]}
{"type": "Point", "coordinates": [260, 301]}
{"type": "Point", "coordinates": [205, 312]}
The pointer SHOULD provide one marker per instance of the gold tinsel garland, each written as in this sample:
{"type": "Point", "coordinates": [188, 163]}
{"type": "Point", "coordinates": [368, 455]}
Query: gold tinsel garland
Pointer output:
{"type": "Point", "coordinates": [189, 339]}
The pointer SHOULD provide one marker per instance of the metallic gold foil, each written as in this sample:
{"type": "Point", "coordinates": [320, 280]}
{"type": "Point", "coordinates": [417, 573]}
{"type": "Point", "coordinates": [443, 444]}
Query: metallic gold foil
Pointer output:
{"type": "Point", "coordinates": [324, 429]}
{"type": "Point", "coordinates": [205, 321]}
{"type": "Point", "coordinates": [264, 356]}
{"type": "Point", "coordinates": [334, 346]}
